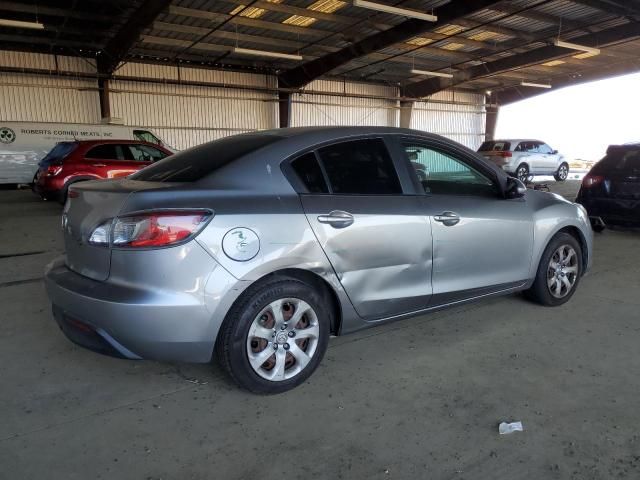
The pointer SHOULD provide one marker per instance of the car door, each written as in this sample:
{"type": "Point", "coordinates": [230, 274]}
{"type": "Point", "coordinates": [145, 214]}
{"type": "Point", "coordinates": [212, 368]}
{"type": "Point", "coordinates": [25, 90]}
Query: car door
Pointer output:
{"type": "Point", "coordinates": [548, 159]}
{"type": "Point", "coordinates": [105, 160]}
{"type": "Point", "coordinates": [529, 155]}
{"type": "Point", "coordinates": [482, 242]}
{"type": "Point", "coordinates": [372, 230]}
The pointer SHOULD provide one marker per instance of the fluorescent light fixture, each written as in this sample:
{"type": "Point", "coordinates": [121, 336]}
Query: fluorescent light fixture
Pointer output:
{"type": "Point", "coordinates": [575, 46]}
{"type": "Point", "coordinates": [537, 85]}
{"type": "Point", "coordinates": [431, 74]}
{"type": "Point", "coordinates": [265, 53]}
{"type": "Point", "coordinates": [405, 12]}
{"type": "Point", "coordinates": [5, 22]}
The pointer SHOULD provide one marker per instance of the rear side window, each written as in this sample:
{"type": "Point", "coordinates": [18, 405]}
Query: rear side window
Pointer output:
{"type": "Point", "coordinates": [108, 151]}
{"type": "Point", "coordinates": [308, 170]}
{"type": "Point", "coordinates": [495, 146]}
{"type": "Point", "coordinates": [58, 153]}
{"type": "Point", "coordinates": [360, 167]}
{"type": "Point", "coordinates": [196, 163]}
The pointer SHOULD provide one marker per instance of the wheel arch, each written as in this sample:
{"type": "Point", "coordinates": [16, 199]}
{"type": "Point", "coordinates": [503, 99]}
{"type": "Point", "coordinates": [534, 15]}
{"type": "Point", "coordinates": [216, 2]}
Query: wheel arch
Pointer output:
{"type": "Point", "coordinates": [314, 280]}
{"type": "Point", "coordinates": [577, 234]}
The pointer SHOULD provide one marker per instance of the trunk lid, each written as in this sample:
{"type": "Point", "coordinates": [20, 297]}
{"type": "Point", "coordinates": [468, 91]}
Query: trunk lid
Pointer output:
{"type": "Point", "coordinates": [89, 205]}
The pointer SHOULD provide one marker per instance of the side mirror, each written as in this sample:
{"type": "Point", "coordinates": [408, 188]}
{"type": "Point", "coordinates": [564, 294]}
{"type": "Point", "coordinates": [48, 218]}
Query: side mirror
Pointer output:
{"type": "Point", "coordinates": [515, 188]}
{"type": "Point", "coordinates": [554, 152]}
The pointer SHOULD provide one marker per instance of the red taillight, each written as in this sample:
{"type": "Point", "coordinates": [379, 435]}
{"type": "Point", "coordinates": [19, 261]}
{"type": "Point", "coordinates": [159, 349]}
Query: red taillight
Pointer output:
{"type": "Point", "coordinates": [157, 229]}
{"type": "Point", "coordinates": [505, 154]}
{"type": "Point", "coordinates": [53, 170]}
{"type": "Point", "coordinates": [592, 180]}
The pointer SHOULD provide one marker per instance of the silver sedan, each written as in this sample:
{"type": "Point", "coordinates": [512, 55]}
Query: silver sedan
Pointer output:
{"type": "Point", "coordinates": [257, 247]}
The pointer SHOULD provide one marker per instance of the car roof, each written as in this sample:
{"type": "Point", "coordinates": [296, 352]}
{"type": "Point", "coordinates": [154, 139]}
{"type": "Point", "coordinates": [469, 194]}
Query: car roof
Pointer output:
{"type": "Point", "coordinates": [338, 131]}
{"type": "Point", "coordinates": [517, 140]}
{"type": "Point", "coordinates": [106, 141]}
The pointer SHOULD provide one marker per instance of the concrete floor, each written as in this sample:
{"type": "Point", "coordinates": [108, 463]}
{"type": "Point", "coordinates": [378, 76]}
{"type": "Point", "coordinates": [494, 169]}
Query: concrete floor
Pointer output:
{"type": "Point", "coordinates": [420, 398]}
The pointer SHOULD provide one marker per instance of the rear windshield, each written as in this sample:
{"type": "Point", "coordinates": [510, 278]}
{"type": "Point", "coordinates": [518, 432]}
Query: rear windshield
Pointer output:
{"type": "Point", "coordinates": [623, 160]}
{"type": "Point", "coordinates": [495, 146]}
{"type": "Point", "coordinates": [198, 162]}
{"type": "Point", "coordinates": [58, 153]}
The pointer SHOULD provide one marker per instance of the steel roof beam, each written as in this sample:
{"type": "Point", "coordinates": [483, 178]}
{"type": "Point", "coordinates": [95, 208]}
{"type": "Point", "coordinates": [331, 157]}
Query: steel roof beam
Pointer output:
{"type": "Point", "coordinates": [626, 8]}
{"type": "Point", "coordinates": [516, 93]}
{"type": "Point", "coordinates": [514, 62]}
{"type": "Point", "coordinates": [118, 47]}
{"type": "Point", "coordinates": [309, 71]}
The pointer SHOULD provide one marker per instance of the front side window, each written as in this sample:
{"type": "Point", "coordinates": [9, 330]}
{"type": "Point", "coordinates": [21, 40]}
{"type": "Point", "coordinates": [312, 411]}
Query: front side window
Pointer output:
{"type": "Point", "coordinates": [442, 174]}
{"type": "Point", "coordinates": [361, 167]}
{"type": "Point", "coordinates": [143, 153]}
{"type": "Point", "coordinates": [107, 151]}
{"type": "Point", "coordinates": [546, 149]}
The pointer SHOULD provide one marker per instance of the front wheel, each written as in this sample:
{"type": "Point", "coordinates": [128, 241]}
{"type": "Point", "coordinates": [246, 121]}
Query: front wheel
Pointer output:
{"type": "Point", "coordinates": [562, 173]}
{"type": "Point", "coordinates": [275, 336]}
{"type": "Point", "coordinates": [559, 271]}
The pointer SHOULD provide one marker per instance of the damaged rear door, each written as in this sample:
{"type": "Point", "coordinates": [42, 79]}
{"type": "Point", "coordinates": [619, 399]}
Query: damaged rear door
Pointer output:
{"type": "Point", "coordinates": [377, 239]}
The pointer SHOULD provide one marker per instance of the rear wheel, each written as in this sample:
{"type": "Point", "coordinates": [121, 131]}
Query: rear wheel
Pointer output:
{"type": "Point", "coordinates": [522, 172]}
{"type": "Point", "coordinates": [562, 173]}
{"type": "Point", "coordinates": [275, 336]}
{"type": "Point", "coordinates": [558, 273]}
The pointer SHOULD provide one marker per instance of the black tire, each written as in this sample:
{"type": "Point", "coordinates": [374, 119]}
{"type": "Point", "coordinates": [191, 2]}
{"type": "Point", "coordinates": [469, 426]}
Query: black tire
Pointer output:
{"type": "Point", "coordinates": [540, 291]}
{"type": "Point", "coordinates": [522, 172]}
{"type": "Point", "coordinates": [562, 173]}
{"type": "Point", "coordinates": [232, 346]}
{"type": "Point", "coordinates": [598, 228]}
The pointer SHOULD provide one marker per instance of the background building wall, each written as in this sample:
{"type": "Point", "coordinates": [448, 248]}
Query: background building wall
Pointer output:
{"type": "Point", "coordinates": [183, 115]}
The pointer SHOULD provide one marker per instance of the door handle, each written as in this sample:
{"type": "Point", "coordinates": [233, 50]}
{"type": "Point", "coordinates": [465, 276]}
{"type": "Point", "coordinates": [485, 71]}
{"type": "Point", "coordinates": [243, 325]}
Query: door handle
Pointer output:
{"type": "Point", "coordinates": [337, 219]}
{"type": "Point", "coordinates": [448, 219]}
{"type": "Point", "coordinates": [98, 165]}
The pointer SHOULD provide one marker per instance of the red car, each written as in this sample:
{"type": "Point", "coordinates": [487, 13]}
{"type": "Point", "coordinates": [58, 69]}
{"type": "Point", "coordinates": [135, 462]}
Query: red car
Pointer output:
{"type": "Point", "coordinates": [70, 162]}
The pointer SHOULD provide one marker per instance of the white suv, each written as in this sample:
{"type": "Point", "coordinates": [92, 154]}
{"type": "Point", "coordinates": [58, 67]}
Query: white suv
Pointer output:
{"type": "Point", "coordinates": [525, 158]}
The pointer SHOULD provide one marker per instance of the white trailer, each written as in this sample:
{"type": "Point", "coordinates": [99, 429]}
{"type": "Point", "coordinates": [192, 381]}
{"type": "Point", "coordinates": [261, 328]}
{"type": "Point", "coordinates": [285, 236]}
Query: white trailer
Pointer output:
{"type": "Point", "coordinates": [24, 144]}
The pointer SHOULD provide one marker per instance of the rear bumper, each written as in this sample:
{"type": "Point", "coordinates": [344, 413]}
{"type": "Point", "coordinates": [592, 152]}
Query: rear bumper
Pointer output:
{"type": "Point", "coordinates": [46, 191]}
{"type": "Point", "coordinates": [134, 322]}
{"type": "Point", "coordinates": [611, 211]}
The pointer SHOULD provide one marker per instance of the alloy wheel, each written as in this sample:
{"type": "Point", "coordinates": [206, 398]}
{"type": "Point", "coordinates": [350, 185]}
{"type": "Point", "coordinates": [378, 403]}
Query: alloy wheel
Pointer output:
{"type": "Point", "coordinates": [283, 339]}
{"type": "Point", "coordinates": [562, 272]}
{"type": "Point", "coordinates": [522, 173]}
{"type": "Point", "coordinates": [563, 172]}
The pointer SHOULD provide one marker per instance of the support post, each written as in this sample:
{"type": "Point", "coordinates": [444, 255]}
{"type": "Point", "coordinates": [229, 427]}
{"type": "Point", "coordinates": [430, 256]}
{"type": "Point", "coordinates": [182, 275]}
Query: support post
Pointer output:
{"type": "Point", "coordinates": [406, 110]}
{"type": "Point", "coordinates": [284, 109]}
{"type": "Point", "coordinates": [491, 120]}
{"type": "Point", "coordinates": [103, 93]}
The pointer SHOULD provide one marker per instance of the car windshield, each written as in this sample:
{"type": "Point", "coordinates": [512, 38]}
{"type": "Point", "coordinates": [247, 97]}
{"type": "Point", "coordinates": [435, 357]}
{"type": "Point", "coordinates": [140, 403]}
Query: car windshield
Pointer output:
{"type": "Point", "coordinates": [494, 146]}
{"type": "Point", "coordinates": [196, 163]}
{"type": "Point", "coordinates": [58, 153]}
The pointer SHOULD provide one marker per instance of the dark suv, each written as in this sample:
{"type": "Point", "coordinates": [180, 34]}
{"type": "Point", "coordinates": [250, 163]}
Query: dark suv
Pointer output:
{"type": "Point", "coordinates": [611, 190]}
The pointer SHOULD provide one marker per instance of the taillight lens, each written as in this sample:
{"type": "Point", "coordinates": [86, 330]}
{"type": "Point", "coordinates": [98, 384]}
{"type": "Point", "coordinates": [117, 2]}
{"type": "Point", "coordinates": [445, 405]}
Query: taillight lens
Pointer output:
{"type": "Point", "coordinates": [100, 235]}
{"type": "Point", "coordinates": [592, 180]}
{"type": "Point", "coordinates": [153, 229]}
{"type": "Point", "coordinates": [53, 170]}
{"type": "Point", "coordinates": [157, 229]}
{"type": "Point", "coordinates": [505, 154]}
